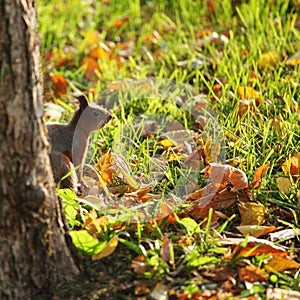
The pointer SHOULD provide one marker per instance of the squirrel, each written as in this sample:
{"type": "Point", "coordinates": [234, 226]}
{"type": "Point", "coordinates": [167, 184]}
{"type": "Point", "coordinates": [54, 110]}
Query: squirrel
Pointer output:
{"type": "Point", "coordinates": [69, 143]}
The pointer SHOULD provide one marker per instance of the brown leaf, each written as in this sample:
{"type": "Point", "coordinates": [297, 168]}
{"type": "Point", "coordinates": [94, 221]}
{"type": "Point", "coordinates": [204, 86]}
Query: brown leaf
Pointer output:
{"type": "Point", "coordinates": [166, 250]}
{"type": "Point", "coordinates": [226, 174]}
{"type": "Point", "coordinates": [139, 265]}
{"type": "Point", "coordinates": [258, 175]}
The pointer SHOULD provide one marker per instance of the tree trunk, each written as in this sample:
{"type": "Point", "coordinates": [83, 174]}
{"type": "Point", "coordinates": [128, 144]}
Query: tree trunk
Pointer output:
{"type": "Point", "coordinates": [36, 252]}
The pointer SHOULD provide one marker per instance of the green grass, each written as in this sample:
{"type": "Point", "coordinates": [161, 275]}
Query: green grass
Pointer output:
{"type": "Point", "coordinates": [168, 44]}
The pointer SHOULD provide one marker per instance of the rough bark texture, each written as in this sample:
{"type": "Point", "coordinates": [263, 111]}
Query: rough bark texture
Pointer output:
{"type": "Point", "coordinates": [35, 249]}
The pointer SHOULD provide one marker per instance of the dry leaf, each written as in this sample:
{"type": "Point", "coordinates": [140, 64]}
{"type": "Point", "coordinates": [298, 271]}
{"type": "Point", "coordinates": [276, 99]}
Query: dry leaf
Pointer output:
{"type": "Point", "coordinates": [99, 53]}
{"type": "Point", "coordinates": [257, 247]}
{"type": "Point", "coordinates": [108, 249]}
{"type": "Point", "coordinates": [268, 59]}
{"type": "Point", "coordinates": [59, 85]}
{"type": "Point", "coordinates": [252, 213]}
{"type": "Point", "coordinates": [284, 185]}
{"type": "Point", "coordinates": [247, 93]}
{"type": "Point", "coordinates": [252, 274]}
{"type": "Point", "coordinates": [160, 292]}
{"type": "Point", "coordinates": [92, 68]}
{"type": "Point", "coordinates": [255, 230]}
{"type": "Point", "coordinates": [259, 174]}
{"type": "Point", "coordinates": [113, 167]}
{"type": "Point", "coordinates": [280, 264]}
{"type": "Point", "coordinates": [293, 60]}
{"type": "Point", "coordinates": [121, 21]}
{"type": "Point", "coordinates": [166, 250]}
{"type": "Point", "coordinates": [285, 234]}
{"type": "Point", "coordinates": [292, 166]}
{"type": "Point", "coordinates": [139, 265]}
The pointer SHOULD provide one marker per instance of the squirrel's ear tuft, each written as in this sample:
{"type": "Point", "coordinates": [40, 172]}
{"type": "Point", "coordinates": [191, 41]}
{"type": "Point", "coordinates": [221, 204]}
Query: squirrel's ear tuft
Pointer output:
{"type": "Point", "coordinates": [82, 99]}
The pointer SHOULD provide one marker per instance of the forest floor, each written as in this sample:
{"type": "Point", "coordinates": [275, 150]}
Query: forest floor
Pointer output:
{"type": "Point", "coordinates": [197, 194]}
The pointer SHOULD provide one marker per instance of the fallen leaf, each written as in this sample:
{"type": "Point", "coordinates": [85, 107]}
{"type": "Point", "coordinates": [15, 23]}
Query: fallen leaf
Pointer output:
{"type": "Point", "coordinates": [93, 37]}
{"type": "Point", "coordinates": [252, 213]}
{"type": "Point", "coordinates": [211, 151]}
{"type": "Point", "coordinates": [293, 60]}
{"type": "Point", "coordinates": [255, 230]}
{"type": "Point", "coordinates": [258, 175]}
{"type": "Point", "coordinates": [160, 292]}
{"type": "Point", "coordinates": [281, 264]}
{"type": "Point", "coordinates": [108, 249]}
{"type": "Point", "coordinates": [99, 53]}
{"type": "Point", "coordinates": [252, 274]}
{"type": "Point", "coordinates": [247, 93]}
{"type": "Point", "coordinates": [92, 68]}
{"type": "Point", "coordinates": [285, 234]}
{"type": "Point", "coordinates": [60, 85]}
{"type": "Point", "coordinates": [268, 59]}
{"type": "Point", "coordinates": [121, 21]}
{"type": "Point", "coordinates": [226, 175]}
{"type": "Point", "coordinates": [246, 105]}
{"type": "Point", "coordinates": [292, 166]}
{"type": "Point", "coordinates": [139, 265]}
{"type": "Point", "coordinates": [284, 185]}
{"type": "Point", "coordinates": [166, 250]}
{"type": "Point", "coordinates": [256, 246]}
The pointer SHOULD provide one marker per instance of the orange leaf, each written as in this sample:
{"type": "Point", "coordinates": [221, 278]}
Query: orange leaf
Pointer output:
{"type": "Point", "coordinates": [252, 274]}
{"type": "Point", "coordinates": [59, 85]}
{"type": "Point", "coordinates": [280, 264]}
{"type": "Point", "coordinates": [92, 68]}
{"type": "Point", "coordinates": [99, 53]}
{"type": "Point", "coordinates": [121, 21]}
{"type": "Point", "coordinates": [257, 247]}
{"type": "Point", "coordinates": [259, 174]}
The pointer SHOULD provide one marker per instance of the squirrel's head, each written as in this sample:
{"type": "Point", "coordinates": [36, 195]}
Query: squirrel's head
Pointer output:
{"type": "Point", "coordinates": [92, 116]}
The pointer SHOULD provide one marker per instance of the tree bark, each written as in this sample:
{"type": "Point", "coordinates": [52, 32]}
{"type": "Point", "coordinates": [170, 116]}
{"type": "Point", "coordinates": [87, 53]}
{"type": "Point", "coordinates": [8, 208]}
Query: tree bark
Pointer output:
{"type": "Point", "coordinates": [36, 252]}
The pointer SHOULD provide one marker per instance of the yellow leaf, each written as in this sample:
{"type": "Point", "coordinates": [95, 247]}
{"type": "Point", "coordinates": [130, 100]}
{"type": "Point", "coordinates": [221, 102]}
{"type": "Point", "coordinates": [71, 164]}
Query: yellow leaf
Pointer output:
{"type": "Point", "coordinates": [280, 264]}
{"type": "Point", "coordinates": [108, 249]}
{"type": "Point", "coordinates": [167, 143]}
{"type": "Point", "coordinates": [247, 93]}
{"type": "Point", "coordinates": [268, 59]}
{"type": "Point", "coordinates": [251, 213]}
{"type": "Point", "coordinates": [294, 60]}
